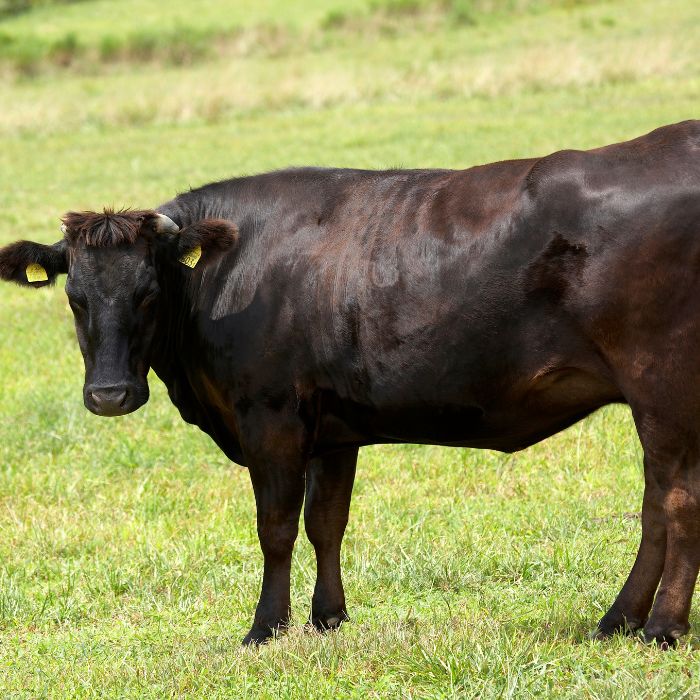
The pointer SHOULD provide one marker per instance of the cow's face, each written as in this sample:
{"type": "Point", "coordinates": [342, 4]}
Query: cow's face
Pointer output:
{"type": "Point", "coordinates": [113, 293]}
{"type": "Point", "coordinates": [113, 290]}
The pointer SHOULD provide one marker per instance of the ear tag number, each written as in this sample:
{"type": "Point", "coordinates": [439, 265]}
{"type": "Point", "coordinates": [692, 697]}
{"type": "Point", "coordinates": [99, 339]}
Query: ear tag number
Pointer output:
{"type": "Point", "coordinates": [36, 273]}
{"type": "Point", "coordinates": [191, 258]}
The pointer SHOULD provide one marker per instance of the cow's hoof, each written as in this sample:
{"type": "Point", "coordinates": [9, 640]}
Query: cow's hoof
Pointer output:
{"type": "Point", "coordinates": [260, 634]}
{"type": "Point", "coordinates": [614, 623]}
{"type": "Point", "coordinates": [666, 637]}
{"type": "Point", "coordinates": [332, 621]}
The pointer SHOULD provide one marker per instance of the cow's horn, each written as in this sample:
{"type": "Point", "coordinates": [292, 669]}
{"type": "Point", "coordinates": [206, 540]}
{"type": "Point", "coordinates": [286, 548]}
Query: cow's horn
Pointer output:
{"type": "Point", "coordinates": [165, 224]}
{"type": "Point", "coordinates": [64, 229]}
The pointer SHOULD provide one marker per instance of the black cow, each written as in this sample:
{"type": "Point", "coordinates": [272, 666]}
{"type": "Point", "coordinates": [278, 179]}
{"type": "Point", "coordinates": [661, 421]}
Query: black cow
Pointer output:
{"type": "Point", "coordinates": [298, 315]}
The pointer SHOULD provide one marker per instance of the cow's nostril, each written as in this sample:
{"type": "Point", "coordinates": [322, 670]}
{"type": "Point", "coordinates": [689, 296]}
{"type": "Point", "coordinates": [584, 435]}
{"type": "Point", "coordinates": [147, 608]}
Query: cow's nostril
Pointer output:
{"type": "Point", "coordinates": [109, 401]}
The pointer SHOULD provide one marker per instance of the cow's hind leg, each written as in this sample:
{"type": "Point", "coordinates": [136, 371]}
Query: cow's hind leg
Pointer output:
{"type": "Point", "coordinates": [670, 532]}
{"type": "Point", "coordinates": [329, 482]}
{"type": "Point", "coordinates": [680, 484]}
{"type": "Point", "coordinates": [629, 611]}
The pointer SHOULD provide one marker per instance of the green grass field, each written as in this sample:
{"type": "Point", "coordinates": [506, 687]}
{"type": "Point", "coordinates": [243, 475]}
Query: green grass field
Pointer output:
{"type": "Point", "coordinates": [129, 563]}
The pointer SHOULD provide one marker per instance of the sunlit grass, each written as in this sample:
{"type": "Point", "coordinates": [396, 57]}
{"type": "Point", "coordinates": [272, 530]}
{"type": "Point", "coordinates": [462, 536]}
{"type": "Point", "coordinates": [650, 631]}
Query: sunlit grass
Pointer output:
{"type": "Point", "coordinates": [599, 45]}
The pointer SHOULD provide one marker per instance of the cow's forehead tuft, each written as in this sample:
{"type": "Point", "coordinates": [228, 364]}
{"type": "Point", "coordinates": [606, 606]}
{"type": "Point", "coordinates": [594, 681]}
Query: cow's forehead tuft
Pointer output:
{"type": "Point", "coordinates": [109, 227]}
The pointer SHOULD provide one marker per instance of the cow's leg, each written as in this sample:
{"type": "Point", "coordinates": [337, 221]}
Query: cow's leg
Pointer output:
{"type": "Point", "coordinates": [329, 482]}
{"type": "Point", "coordinates": [670, 531]}
{"type": "Point", "coordinates": [277, 465]}
{"type": "Point", "coordinates": [279, 493]}
{"type": "Point", "coordinates": [631, 607]}
{"type": "Point", "coordinates": [681, 503]}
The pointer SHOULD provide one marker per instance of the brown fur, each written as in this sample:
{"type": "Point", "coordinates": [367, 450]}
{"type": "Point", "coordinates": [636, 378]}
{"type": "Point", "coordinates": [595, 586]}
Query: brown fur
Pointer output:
{"type": "Point", "coordinates": [211, 234]}
{"type": "Point", "coordinates": [113, 228]}
{"type": "Point", "coordinates": [109, 228]}
{"type": "Point", "coordinates": [15, 257]}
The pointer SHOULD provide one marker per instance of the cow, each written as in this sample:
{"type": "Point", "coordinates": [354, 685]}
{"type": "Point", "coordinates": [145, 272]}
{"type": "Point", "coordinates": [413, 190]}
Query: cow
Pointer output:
{"type": "Point", "coordinates": [298, 315]}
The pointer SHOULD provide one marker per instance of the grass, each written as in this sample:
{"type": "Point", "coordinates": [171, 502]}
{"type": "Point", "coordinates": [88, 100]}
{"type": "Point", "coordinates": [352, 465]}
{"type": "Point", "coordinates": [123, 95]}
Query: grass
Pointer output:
{"type": "Point", "coordinates": [600, 48]}
{"type": "Point", "coordinates": [46, 42]}
{"type": "Point", "coordinates": [129, 565]}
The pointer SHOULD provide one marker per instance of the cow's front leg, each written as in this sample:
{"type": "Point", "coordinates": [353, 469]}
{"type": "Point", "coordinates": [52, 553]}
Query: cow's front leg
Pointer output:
{"type": "Point", "coordinates": [277, 472]}
{"type": "Point", "coordinates": [329, 482]}
{"type": "Point", "coordinates": [279, 493]}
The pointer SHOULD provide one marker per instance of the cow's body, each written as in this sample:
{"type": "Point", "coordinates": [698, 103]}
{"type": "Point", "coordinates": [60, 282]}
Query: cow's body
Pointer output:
{"type": "Point", "coordinates": [489, 307]}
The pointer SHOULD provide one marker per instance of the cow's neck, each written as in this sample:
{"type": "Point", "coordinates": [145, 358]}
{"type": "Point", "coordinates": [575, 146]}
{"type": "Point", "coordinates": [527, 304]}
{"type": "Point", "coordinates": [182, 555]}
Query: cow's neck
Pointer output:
{"type": "Point", "coordinates": [173, 330]}
{"type": "Point", "coordinates": [177, 355]}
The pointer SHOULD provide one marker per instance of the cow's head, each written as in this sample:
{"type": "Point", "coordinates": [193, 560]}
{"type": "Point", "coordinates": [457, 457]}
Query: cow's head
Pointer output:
{"type": "Point", "coordinates": [113, 261]}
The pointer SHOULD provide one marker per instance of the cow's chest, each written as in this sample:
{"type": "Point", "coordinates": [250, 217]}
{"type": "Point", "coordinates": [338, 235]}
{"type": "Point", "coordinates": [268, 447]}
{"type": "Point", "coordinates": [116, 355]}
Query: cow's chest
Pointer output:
{"type": "Point", "coordinates": [205, 404]}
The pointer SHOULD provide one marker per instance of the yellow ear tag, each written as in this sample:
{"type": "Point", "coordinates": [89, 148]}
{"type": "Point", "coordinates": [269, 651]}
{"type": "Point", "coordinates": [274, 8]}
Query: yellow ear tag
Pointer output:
{"type": "Point", "coordinates": [192, 257]}
{"type": "Point", "coordinates": [36, 273]}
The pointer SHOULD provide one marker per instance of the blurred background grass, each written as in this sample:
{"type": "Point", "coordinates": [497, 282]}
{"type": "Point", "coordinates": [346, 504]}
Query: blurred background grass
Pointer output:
{"type": "Point", "coordinates": [129, 564]}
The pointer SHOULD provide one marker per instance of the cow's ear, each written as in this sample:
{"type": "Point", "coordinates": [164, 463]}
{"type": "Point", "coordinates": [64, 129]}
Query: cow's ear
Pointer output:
{"type": "Point", "coordinates": [204, 240]}
{"type": "Point", "coordinates": [33, 264]}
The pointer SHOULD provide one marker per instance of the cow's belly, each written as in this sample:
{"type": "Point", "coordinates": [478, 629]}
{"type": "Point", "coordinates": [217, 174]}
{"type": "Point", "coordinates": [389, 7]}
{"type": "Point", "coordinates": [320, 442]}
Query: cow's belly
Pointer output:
{"type": "Point", "coordinates": [527, 412]}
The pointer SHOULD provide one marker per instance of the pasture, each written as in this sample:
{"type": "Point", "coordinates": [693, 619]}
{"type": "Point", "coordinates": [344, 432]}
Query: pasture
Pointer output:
{"type": "Point", "coordinates": [129, 561]}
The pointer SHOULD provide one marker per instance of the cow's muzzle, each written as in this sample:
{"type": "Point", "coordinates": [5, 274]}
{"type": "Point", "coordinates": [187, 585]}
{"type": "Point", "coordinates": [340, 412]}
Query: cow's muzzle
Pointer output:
{"type": "Point", "coordinates": [116, 400]}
